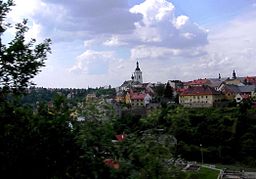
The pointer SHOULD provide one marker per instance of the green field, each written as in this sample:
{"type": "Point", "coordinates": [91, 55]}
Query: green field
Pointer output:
{"type": "Point", "coordinates": [203, 173]}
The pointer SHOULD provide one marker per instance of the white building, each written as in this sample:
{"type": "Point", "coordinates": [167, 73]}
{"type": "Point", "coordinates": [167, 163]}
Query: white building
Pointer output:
{"type": "Point", "coordinates": [138, 74]}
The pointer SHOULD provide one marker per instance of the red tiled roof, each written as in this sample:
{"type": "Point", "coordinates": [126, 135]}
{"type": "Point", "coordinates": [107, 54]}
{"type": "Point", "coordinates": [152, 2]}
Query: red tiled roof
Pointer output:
{"type": "Point", "coordinates": [138, 96]}
{"type": "Point", "coordinates": [198, 82]}
{"type": "Point", "coordinates": [245, 96]}
{"type": "Point", "coordinates": [180, 90]}
{"type": "Point", "coordinates": [199, 90]}
{"type": "Point", "coordinates": [112, 163]}
{"type": "Point", "coordinates": [120, 137]}
{"type": "Point", "coordinates": [251, 80]}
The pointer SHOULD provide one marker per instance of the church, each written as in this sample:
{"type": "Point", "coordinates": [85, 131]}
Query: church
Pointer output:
{"type": "Point", "coordinates": [136, 79]}
{"type": "Point", "coordinates": [137, 75]}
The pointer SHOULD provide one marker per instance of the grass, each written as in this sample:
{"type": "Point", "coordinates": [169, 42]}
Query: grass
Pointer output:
{"type": "Point", "coordinates": [203, 173]}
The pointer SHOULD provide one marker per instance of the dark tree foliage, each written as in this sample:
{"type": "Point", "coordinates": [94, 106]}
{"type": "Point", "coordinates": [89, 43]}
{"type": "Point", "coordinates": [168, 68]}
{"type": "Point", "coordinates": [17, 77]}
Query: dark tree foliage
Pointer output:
{"type": "Point", "coordinates": [168, 91]}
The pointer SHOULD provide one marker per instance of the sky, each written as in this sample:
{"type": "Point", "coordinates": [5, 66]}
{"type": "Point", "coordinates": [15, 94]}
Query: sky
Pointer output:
{"type": "Point", "coordinates": [98, 42]}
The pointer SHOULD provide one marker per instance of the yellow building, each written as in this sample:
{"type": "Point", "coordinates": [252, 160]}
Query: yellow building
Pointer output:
{"type": "Point", "coordinates": [200, 96]}
{"type": "Point", "coordinates": [128, 98]}
{"type": "Point", "coordinates": [120, 99]}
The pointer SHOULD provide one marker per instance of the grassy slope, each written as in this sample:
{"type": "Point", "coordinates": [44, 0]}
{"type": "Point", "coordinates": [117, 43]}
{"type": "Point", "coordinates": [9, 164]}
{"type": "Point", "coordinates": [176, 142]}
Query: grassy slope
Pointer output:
{"type": "Point", "coordinates": [203, 173]}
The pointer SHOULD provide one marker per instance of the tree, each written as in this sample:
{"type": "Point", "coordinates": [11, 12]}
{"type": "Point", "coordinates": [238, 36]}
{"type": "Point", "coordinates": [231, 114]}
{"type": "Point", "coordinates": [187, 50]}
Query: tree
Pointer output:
{"type": "Point", "coordinates": [168, 91]}
{"type": "Point", "coordinates": [20, 61]}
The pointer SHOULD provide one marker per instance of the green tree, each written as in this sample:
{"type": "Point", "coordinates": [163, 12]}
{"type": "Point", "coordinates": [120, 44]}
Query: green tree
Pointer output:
{"type": "Point", "coordinates": [168, 91]}
{"type": "Point", "coordinates": [20, 61]}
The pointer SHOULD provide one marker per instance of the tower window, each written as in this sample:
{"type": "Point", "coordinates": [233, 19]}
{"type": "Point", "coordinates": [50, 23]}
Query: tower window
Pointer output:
{"type": "Point", "coordinates": [139, 76]}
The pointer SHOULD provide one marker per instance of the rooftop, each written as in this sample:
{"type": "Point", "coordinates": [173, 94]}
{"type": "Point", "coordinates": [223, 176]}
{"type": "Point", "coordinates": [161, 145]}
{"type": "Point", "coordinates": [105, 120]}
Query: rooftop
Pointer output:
{"type": "Point", "coordinates": [199, 90]}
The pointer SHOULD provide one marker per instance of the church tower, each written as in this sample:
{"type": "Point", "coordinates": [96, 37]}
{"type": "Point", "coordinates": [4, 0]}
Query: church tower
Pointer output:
{"type": "Point", "coordinates": [138, 74]}
{"type": "Point", "coordinates": [234, 74]}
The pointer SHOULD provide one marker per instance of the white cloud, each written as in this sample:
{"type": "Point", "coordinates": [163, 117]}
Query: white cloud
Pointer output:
{"type": "Point", "coordinates": [23, 9]}
{"type": "Point", "coordinates": [92, 62]}
{"type": "Point", "coordinates": [89, 43]}
{"type": "Point", "coordinates": [160, 27]}
{"type": "Point", "coordinates": [153, 11]}
{"type": "Point", "coordinates": [113, 41]}
{"type": "Point", "coordinates": [180, 21]}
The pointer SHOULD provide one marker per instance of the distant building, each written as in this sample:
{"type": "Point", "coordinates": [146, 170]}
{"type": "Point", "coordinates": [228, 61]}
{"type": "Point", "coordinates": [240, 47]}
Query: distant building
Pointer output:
{"type": "Point", "coordinates": [231, 91]}
{"type": "Point", "coordinates": [250, 80]}
{"type": "Point", "coordinates": [91, 97]}
{"type": "Point", "coordinates": [120, 97]}
{"type": "Point", "coordinates": [240, 97]}
{"type": "Point", "coordinates": [137, 74]}
{"type": "Point", "coordinates": [199, 82]}
{"type": "Point", "coordinates": [175, 84]}
{"type": "Point", "coordinates": [200, 96]}
{"type": "Point", "coordinates": [137, 99]}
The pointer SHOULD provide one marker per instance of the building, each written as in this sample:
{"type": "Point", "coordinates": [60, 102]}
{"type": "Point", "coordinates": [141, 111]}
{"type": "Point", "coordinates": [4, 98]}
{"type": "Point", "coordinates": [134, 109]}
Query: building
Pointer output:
{"type": "Point", "coordinates": [200, 96]}
{"type": "Point", "coordinates": [120, 97]}
{"type": "Point", "coordinates": [240, 97]}
{"type": "Point", "coordinates": [175, 84]}
{"type": "Point", "coordinates": [137, 99]}
{"type": "Point", "coordinates": [91, 97]}
{"type": "Point", "coordinates": [250, 80]}
{"type": "Point", "coordinates": [231, 91]}
{"type": "Point", "coordinates": [137, 76]}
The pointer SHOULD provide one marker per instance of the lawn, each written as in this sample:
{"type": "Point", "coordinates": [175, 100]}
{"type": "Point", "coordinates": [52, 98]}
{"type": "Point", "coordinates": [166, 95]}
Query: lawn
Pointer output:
{"type": "Point", "coordinates": [203, 173]}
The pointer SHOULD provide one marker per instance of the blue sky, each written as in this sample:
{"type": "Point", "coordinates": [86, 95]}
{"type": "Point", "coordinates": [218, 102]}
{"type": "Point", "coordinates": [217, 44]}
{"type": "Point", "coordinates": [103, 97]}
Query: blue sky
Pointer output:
{"type": "Point", "coordinates": [210, 12]}
{"type": "Point", "coordinates": [97, 43]}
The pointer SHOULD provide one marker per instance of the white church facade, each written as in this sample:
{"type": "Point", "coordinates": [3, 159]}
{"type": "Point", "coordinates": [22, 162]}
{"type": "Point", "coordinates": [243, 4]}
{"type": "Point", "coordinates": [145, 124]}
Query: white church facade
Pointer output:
{"type": "Point", "coordinates": [137, 75]}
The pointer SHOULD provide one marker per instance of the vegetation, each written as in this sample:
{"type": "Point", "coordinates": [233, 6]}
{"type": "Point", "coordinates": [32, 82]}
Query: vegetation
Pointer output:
{"type": "Point", "coordinates": [203, 173]}
{"type": "Point", "coordinates": [47, 141]}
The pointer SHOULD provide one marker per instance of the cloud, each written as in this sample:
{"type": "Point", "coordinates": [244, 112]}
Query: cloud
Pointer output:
{"type": "Point", "coordinates": [236, 41]}
{"type": "Point", "coordinates": [92, 62]}
{"type": "Point", "coordinates": [159, 37]}
{"type": "Point", "coordinates": [160, 27]}
{"type": "Point", "coordinates": [162, 53]}
{"type": "Point", "coordinates": [113, 41]}
{"type": "Point", "coordinates": [168, 46]}
{"type": "Point", "coordinates": [84, 19]}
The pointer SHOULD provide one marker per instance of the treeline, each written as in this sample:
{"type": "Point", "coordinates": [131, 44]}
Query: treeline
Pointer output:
{"type": "Point", "coordinates": [34, 94]}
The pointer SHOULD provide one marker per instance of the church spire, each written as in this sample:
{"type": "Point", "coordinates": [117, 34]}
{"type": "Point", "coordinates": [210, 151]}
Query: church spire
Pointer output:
{"type": "Point", "coordinates": [137, 68]}
{"type": "Point", "coordinates": [138, 74]}
{"type": "Point", "coordinates": [234, 74]}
